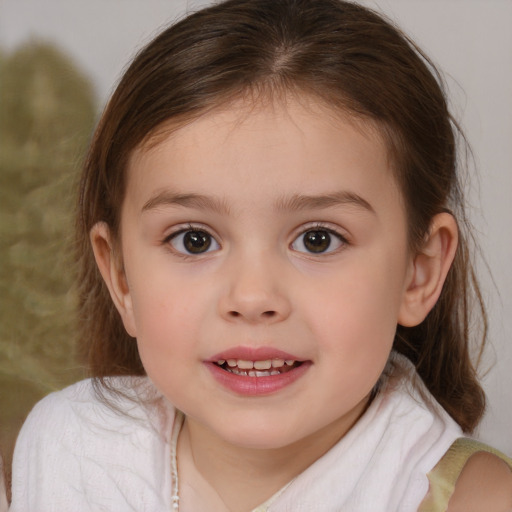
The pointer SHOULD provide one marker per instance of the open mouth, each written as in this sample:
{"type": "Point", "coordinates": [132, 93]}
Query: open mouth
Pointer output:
{"type": "Point", "coordinates": [251, 372]}
{"type": "Point", "coordinates": [264, 368]}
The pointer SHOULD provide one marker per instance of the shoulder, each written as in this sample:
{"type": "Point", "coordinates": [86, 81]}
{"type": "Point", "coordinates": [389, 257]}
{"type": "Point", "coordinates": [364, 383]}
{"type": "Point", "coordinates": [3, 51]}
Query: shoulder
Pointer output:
{"type": "Point", "coordinates": [45, 450]}
{"type": "Point", "coordinates": [485, 483]}
{"type": "Point", "coordinates": [58, 410]}
{"type": "Point", "coordinates": [83, 409]}
{"type": "Point", "coordinates": [56, 427]}
{"type": "Point", "coordinates": [78, 448]}
{"type": "Point", "coordinates": [55, 411]}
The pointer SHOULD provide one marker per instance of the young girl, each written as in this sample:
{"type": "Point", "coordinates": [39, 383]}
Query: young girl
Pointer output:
{"type": "Point", "coordinates": [275, 284]}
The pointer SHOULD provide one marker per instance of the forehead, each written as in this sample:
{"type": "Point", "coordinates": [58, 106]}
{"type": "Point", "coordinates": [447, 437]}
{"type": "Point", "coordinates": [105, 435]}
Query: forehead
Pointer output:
{"type": "Point", "coordinates": [250, 106]}
{"type": "Point", "coordinates": [247, 142]}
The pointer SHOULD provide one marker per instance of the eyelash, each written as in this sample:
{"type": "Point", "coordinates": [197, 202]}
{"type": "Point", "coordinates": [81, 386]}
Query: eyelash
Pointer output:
{"type": "Point", "coordinates": [190, 228]}
{"type": "Point", "coordinates": [318, 227]}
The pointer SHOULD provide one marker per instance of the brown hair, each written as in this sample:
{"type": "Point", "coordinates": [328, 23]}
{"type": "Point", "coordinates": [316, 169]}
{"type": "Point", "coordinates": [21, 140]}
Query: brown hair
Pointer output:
{"type": "Point", "coordinates": [355, 61]}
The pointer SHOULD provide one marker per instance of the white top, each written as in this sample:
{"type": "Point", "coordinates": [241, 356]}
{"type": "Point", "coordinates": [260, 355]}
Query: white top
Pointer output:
{"type": "Point", "coordinates": [75, 453]}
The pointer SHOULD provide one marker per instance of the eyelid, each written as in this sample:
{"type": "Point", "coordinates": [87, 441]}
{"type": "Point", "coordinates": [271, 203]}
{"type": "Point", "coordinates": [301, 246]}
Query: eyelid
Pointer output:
{"type": "Point", "coordinates": [184, 228]}
{"type": "Point", "coordinates": [187, 226]}
{"type": "Point", "coordinates": [321, 226]}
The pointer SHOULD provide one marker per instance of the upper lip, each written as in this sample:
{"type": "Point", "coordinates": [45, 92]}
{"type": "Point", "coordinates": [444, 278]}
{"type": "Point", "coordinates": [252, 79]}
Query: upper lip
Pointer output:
{"type": "Point", "coordinates": [254, 354]}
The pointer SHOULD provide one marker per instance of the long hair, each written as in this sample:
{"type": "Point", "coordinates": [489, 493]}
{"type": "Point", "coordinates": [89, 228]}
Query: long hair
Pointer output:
{"type": "Point", "coordinates": [341, 53]}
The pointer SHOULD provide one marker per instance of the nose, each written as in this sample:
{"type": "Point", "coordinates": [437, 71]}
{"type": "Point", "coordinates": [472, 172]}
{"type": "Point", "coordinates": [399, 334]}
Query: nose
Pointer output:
{"type": "Point", "coordinates": [254, 293]}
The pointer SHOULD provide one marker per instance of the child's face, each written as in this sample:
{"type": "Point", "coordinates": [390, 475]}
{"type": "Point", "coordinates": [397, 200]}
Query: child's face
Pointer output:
{"type": "Point", "coordinates": [265, 234]}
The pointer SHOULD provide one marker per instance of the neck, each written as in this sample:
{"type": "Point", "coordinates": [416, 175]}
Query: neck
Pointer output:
{"type": "Point", "coordinates": [242, 477]}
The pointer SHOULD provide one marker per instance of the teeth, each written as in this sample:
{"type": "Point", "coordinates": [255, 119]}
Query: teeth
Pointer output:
{"type": "Point", "coordinates": [263, 365]}
{"type": "Point", "coordinates": [254, 373]}
{"type": "Point", "coordinates": [248, 367]}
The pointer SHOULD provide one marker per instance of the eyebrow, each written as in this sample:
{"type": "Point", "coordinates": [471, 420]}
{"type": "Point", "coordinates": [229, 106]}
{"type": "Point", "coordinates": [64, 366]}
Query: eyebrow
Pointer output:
{"type": "Point", "coordinates": [293, 203]}
{"type": "Point", "coordinates": [199, 201]}
{"type": "Point", "coordinates": [318, 202]}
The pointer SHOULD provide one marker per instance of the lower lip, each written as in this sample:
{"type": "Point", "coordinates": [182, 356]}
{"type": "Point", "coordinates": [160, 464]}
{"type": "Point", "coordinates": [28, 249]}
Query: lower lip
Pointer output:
{"type": "Point", "coordinates": [257, 386]}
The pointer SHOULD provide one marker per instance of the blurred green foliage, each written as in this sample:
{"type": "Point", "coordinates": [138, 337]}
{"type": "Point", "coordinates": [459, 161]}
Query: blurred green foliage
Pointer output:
{"type": "Point", "coordinates": [47, 113]}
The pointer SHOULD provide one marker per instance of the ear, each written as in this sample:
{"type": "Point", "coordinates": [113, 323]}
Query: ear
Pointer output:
{"type": "Point", "coordinates": [112, 271]}
{"type": "Point", "coordinates": [428, 270]}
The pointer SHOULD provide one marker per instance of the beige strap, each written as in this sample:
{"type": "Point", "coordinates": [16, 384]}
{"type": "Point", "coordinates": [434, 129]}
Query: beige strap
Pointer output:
{"type": "Point", "coordinates": [445, 474]}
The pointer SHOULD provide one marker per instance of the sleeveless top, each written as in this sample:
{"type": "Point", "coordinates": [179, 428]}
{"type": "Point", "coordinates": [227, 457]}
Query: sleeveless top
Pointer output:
{"type": "Point", "coordinates": [445, 474]}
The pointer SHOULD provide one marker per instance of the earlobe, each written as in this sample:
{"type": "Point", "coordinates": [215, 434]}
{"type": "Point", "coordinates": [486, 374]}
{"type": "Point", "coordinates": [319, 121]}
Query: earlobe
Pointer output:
{"type": "Point", "coordinates": [110, 267]}
{"type": "Point", "coordinates": [428, 271]}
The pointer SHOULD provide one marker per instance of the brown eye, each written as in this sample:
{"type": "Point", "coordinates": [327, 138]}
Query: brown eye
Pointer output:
{"type": "Point", "coordinates": [317, 241]}
{"type": "Point", "coordinates": [193, 241]}
{"type": "Point", "coordinates": [197, 241]}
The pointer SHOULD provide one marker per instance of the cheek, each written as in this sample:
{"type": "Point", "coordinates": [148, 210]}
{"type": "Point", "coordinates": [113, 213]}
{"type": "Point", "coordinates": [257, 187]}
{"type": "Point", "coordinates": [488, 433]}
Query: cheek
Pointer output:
{"type": "Point", "coordinates": [173, 313]}
{"type": "Point", "coordinates": [165, 318]}
{"type": "Point", "coordinates": [162, 296]}
{"type": "Point", "coordinates": [355, 314]}
{"type": "Point", "coordinates": [162, 314]}
{"type": "Point", "coordinates": [163, 341]}
{"type": "Point", "coordinates": [355, 335]}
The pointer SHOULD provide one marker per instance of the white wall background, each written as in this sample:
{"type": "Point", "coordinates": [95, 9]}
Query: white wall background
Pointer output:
{"type": "Point", "coordinates": [470, 40]}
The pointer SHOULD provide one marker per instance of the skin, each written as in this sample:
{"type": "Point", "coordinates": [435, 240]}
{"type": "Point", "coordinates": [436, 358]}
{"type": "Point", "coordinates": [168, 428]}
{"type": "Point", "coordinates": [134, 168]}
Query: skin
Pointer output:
{"type": "Point", "coordinates": [484, 484]}
{"type": "Point", "coordinates": [258, 284]}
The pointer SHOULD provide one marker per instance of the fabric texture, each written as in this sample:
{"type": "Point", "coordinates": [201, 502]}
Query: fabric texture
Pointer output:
{"type": "Point", "coordinates": [77, 453]}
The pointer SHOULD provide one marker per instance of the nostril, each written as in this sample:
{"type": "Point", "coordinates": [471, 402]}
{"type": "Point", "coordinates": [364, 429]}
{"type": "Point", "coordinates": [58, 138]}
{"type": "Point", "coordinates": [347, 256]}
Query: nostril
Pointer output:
{"type": "Point", "coordinates": [264, 314]}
